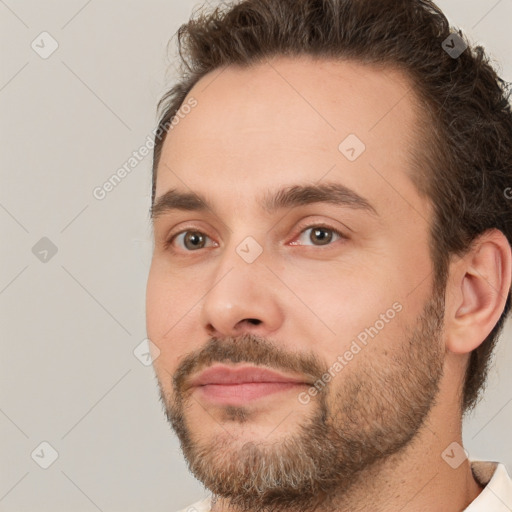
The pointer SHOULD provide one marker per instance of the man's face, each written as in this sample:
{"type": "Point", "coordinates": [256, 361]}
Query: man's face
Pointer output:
{"type": "Point", "coordinates": [309, 290]}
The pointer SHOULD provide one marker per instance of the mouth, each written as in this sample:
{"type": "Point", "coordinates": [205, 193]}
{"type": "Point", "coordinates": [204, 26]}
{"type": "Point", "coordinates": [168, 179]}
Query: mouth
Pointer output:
{"type": "Point", "coordinates": [228, 385]}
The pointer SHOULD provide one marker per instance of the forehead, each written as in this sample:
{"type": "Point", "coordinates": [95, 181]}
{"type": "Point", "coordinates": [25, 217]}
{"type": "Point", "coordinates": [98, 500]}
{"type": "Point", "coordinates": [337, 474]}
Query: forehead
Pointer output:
{"type": "Point", "coordinates": [291, 120]}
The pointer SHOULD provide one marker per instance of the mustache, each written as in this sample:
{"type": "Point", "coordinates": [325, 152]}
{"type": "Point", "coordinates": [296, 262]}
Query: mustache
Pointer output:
{"type": "Point", "coordinates": [247, 348]}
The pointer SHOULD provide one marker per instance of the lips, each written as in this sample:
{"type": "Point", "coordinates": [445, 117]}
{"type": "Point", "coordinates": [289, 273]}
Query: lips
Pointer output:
{"type": "Point", "coordinates": [228, 375]}
{"type": "Point", "coordinates": [237, 386]}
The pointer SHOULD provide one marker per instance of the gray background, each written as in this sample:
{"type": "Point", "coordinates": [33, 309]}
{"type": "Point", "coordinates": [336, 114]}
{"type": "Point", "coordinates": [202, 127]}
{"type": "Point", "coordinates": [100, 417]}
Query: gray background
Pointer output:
{"type": "Point", "coordinates": [70, 325]}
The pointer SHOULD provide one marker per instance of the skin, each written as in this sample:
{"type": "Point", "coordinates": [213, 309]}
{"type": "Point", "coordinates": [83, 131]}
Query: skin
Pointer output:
{"type": "Point", "coordinates": [279, 124]}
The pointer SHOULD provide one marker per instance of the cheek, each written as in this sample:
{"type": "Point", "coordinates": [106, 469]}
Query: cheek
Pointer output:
{"type": "Point", "coordinates": [363, 303]}
{"type": "Point", "coordinates": [162, 312]}
{"type": "Point", "coordinates": [167, 298]}
{"type": "Point", "coordinates": [156, 299]}
{"type": "Point", "coordinates": [169, 318]}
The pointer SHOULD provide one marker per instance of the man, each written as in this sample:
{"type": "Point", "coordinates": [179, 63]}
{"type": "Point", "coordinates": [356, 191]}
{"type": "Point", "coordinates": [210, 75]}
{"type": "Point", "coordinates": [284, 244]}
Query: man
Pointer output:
{"type": "Point", "coordinates": [332, 260]}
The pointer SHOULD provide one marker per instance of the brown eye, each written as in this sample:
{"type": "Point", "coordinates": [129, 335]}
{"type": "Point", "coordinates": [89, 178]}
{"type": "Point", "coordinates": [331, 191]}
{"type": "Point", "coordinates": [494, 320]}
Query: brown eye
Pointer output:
{"type": "Point", "coordinates": [193, 240]}
{"type": "Point", "coordinates": [188, 240]}
{"type": "Point", "coordinates": [322, 235]}
{"type": "Point", "coordinates": [319, 236]}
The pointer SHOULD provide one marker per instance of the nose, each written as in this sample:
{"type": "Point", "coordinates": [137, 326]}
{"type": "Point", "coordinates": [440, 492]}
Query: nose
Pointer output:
{"type": "Point", "coordinates": [243, 297]}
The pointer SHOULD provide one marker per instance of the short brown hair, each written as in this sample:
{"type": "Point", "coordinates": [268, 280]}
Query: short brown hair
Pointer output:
{"type": "Point", "coordinates": [464, 165]}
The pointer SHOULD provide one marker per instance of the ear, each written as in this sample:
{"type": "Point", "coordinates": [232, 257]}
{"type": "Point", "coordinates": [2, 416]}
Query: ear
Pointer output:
{"type": "Point", "coordinates": [477, 291]}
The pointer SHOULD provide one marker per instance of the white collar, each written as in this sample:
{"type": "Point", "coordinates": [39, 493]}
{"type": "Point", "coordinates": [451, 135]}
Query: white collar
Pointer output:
{"type": "Point", "coordinates": [496, 495]}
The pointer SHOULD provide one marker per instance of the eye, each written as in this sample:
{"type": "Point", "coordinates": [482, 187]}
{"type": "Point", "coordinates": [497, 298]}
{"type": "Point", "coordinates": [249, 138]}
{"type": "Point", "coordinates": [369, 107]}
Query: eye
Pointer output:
{"type": "Point", "coordinates": [191, 240]}
{"type": "Point", "coordinates": [320, 235]}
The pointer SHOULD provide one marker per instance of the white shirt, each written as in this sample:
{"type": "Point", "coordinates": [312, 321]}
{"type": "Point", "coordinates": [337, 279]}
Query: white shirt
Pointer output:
{"type": "Point", "coordinates": [496, 495]}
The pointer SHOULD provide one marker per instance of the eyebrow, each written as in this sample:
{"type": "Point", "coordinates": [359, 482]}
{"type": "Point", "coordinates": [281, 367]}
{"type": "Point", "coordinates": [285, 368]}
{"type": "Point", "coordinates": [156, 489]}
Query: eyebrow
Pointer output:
{"type": "Point", "coordinates": [272, 201]}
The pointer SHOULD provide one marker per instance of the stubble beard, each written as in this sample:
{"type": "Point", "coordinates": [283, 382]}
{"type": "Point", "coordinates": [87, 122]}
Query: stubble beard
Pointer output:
{"type": "Point", "coordinates": [374, 413]}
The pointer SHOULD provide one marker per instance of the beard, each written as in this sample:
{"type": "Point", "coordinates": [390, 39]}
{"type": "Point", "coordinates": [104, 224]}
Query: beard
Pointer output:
{"type": "Point", "coordinates": [373, 413]}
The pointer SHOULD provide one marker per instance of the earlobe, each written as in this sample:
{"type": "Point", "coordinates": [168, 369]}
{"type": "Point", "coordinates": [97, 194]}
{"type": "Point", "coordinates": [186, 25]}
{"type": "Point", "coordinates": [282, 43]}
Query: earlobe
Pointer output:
{"type": "Point", "coordinates": [481, 290]}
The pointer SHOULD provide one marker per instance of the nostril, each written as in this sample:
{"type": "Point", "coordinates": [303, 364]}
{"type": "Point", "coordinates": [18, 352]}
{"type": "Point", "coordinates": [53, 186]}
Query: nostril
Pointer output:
{"type": "Point", "coordinates": [254, 321]}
